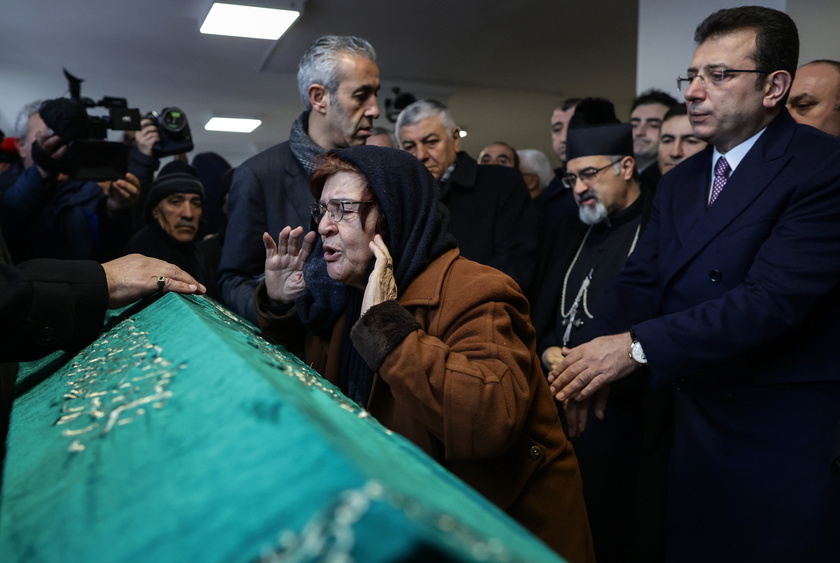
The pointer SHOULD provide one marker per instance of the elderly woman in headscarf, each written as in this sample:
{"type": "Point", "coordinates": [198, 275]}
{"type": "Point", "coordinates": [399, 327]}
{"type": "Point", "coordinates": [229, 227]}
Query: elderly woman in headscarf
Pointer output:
{"type": "Point", "coordinates": [438, 348]}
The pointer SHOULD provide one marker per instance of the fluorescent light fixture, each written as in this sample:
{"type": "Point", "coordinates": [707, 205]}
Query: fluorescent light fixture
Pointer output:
{"type": "Point", "coordinates": [248, 21]}
{"type": "Point", "coordinates": [232, 124]}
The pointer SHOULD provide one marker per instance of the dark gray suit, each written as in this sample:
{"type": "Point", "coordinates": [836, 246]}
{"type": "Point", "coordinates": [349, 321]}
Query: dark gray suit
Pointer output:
{"type": "Point", "coordinates": [269, 192]}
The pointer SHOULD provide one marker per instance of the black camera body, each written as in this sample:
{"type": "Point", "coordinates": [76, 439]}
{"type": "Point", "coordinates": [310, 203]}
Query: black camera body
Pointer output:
{"type": "Point", "coordinates": [174, 131]}
{"type": "Point", "coordinates": [89, 156]}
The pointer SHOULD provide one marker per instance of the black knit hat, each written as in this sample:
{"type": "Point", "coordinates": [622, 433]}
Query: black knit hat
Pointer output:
{"type": "Point", "coordinates": [176, 177]}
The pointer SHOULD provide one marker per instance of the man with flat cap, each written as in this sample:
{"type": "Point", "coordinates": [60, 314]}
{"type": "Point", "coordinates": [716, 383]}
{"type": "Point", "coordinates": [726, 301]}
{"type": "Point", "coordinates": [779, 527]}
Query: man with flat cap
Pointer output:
{"type": "Point", "coordinates": [581, 258]}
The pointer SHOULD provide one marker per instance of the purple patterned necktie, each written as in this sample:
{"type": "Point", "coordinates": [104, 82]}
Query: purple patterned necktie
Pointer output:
{"type": "Point", "coordinates": [722, 171]}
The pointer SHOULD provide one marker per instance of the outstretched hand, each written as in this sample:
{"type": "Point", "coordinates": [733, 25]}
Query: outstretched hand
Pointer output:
{"type": "Point", "coordinates": [134, 276]}
{"type": "Point", "coordinates": [381, 285]}
{"type": "Point", "coordinates": [284, 262]}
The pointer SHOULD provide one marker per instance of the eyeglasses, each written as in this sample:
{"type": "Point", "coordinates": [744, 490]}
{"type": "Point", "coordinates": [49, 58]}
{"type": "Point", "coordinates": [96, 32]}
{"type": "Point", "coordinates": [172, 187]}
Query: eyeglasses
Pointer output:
{"type": "Point", "coordinates": [714, 79]}
{"type": "Point", "coordinates": [586, 175]}
{"type": "Point", "coordinates": [336, 208]}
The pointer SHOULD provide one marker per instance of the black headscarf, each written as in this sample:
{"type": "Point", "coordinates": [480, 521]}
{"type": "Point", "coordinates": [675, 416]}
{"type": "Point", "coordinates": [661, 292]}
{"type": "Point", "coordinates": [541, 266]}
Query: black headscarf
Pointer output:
{"type": "Point", "coordinates": [418, 226]}
{"type": "Point", "coordinates": [417, 233]}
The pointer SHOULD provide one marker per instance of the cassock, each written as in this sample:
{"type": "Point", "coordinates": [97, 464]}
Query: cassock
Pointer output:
{"type": "Point", "coordinates": [623, 457]}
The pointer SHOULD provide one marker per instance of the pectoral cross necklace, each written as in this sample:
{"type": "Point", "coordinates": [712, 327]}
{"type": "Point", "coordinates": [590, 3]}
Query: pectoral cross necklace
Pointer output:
{"type": "Point", "coordinates": [570, 317]}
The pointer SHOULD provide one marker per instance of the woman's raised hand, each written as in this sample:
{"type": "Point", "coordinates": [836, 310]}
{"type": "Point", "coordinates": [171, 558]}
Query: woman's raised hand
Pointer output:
{"type": "Point", "coordinates": [381, 285]}
{"type": "Point", "coordinates": [284, 263]}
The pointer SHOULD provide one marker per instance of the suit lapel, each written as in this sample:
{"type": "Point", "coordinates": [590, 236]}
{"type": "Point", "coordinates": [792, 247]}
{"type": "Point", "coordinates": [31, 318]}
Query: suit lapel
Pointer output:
{"type": "Point", "coordinates": [701, 223]}
{"type": "Point", "coordinates": [295, 188]}
{"type": "Point", "coordinates": [690, 198]}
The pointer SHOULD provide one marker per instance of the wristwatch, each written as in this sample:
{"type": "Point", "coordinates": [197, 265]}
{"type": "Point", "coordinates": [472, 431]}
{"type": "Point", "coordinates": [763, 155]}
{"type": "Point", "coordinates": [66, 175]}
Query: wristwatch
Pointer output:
{"type": "Point", "coordinates": [636, 353]}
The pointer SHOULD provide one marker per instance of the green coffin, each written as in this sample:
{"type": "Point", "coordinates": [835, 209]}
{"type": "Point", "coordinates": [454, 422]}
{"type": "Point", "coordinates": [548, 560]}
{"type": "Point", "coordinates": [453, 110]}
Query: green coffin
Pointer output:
{"type": "Point", "coordinates": [182, 435]}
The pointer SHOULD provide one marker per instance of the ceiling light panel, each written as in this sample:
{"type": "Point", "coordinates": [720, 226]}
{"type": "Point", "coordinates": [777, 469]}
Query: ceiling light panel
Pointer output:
{"type": "Point", "coordinates": [232, 124]}
{"type": "Point", "coordinates": [248, 21]}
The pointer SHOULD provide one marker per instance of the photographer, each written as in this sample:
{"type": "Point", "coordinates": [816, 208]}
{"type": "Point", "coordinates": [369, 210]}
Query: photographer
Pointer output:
{"type": "Point", "coordinates": [45, 213]}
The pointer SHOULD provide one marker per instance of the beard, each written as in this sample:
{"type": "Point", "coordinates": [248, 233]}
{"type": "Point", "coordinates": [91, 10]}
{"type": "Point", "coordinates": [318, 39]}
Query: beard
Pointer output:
{"type": "Point", "coordinates": [593, 214]}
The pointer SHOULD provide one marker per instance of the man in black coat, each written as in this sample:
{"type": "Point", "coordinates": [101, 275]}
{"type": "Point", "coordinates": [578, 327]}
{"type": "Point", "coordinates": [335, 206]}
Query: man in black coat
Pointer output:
{"type": "Point", "coordinates": [646, 117]}
{"type": "Point", "coordinates": [622, 455]}
{"type": "Point", "coordinates": [492, 215]}
{"type": "Point", "coordinates": [173, 214]}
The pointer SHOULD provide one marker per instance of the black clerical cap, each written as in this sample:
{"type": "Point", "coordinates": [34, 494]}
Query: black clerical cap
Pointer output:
{"type": "Point", "coordinates": [593, 111]}
{"type": "Point", "coordinates": [612, 139]}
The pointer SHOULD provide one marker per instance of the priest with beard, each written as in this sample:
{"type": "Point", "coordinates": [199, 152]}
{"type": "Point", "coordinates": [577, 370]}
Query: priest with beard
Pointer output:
{"type": "Point", "coordinates": [622, 453]}
{"type": "Point", "coordinates": [173, 215]}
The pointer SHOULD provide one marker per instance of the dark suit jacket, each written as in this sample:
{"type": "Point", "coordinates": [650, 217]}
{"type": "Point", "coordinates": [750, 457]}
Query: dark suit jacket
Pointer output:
{"type": "Point", "coordinates": [651, 175]}
{"type": "Point", "coordinates": [269, 191]}
{"type": "Point", "coordinates": [738, 305]}
{"type": "Point", "coordinates": [47, 305]}
{"type": "Point", "coordinates": [492, 217]}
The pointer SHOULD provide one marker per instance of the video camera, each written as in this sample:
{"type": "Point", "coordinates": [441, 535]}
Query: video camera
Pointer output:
{"type": "Point", "coordinates": [89, 156]}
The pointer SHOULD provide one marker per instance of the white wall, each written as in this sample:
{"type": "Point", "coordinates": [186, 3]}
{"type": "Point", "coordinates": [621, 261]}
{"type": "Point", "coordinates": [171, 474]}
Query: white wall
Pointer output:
{"type": "Point", "coordinates": [819, 28]}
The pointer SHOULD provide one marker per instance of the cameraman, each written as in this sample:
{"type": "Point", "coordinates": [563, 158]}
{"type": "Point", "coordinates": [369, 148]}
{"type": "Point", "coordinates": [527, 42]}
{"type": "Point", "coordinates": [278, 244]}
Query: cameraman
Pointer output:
{"type": "Point", "coordinates": [46, 214]}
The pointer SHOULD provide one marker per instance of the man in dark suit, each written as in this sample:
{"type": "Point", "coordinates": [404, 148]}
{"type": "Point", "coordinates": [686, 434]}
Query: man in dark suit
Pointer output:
{"type": "Point", "coordinates": [492, 215]}
{"type": "Point", "coordinates": [646, 117]}
{"type": "Point", "coordinates": [338, 79]}
{"type": "Point", "coordinates": [733, 298]}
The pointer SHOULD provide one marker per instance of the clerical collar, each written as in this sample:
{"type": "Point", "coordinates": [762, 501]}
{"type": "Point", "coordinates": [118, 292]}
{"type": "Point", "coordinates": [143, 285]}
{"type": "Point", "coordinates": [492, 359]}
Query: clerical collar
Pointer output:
{"type": "Point", "coordinates": [625, 215]}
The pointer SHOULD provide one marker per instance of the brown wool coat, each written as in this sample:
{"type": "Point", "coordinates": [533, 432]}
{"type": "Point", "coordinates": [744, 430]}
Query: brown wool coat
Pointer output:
{"type": "Point", "coordinates": [464, 383]}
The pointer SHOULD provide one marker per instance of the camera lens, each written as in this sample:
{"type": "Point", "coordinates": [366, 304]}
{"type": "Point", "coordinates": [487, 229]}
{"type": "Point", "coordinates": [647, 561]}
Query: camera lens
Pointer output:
{"type": "Point", "coordinates": [173, 119]}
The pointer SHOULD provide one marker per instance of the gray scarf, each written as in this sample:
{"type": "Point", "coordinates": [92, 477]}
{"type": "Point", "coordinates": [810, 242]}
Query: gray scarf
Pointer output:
{"type": "Point", "coordinates": [306, 151]}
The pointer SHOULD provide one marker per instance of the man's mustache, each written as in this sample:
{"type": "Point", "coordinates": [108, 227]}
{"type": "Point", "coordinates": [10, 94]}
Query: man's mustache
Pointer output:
{"type": "Point", "coordinates": [586, 195]}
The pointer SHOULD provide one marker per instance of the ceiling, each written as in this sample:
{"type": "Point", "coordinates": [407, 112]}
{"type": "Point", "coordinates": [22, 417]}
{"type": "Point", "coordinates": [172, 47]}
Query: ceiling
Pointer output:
{"type": "Point", "coordinates": [501, 66]}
